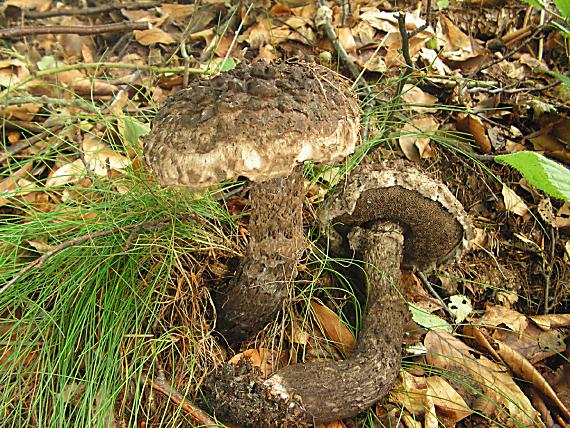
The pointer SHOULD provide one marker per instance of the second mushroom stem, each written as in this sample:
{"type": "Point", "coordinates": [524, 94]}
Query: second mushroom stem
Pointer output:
{"type": "Point", "coordinates": [334, 390]}
{"type": "Point", "coordinates": [260, 285]}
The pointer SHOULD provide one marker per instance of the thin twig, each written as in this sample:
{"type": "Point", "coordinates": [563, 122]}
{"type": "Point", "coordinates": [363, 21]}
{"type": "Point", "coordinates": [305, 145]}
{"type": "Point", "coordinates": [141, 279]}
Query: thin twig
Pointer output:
{"type": "Point", "coordinates": [15, 149]}
{"type": "Point", "coordinates": [70, 243]}
{"type": "Point", "coordinates": [84, 30]}
{"type": "Point", "coordinates": [191, 409]}
{"type": "Point", "coordinates": [82, 154]}
{"type": "Point", "coordinates": [91, 10]}
{"type": "Point", "coordinates": [547, 271]}
{"type": "Point", "coordinates": [325, 22]}
{"type": "Point", "coordinates": [76, 102]}
{"type": "Point", "coordinates": [434, 293]}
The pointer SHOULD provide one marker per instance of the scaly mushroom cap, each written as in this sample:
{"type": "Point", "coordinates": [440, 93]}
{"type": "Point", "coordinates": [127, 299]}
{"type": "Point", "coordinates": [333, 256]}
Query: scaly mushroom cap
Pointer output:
{"type": "Point", "coordinates": [256, 121]}
{"type": "Point", "coordinates": [436, 227]}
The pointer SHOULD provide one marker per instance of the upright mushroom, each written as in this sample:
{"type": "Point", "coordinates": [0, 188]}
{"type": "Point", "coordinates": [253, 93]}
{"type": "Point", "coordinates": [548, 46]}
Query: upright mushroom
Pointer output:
{"type": "Point", "coordinates": [389, 215]}
{"type": "Point", "coordinates": [257, 121]}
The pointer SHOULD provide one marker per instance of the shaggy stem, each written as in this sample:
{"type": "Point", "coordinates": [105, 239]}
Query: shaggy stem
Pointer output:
{"type": "Point", "coordinates": [340, 389]}
{"type": "Point", "coordinates": [319, 392]}
{"type": "Point", "coordinates": [256, 294]}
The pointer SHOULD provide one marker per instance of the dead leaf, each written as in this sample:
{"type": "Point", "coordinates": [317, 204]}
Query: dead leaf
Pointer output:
{"type": "Point", "coordinates": [484, 377]}
{"type": "Point", "coordinates": [100, 157]}
{"type": "Point", "coordinates": [523, 368]}
{"type": "Point", "coordinates": [333, 328]}
{"type": "Point", "coordinates": [513, 202]}
{"type": "Point", "coordinates": [39, 5]}
{"type": "Point", "coordinates": [177, 12]}
{"type": "Point", "coordinates": [416, 137]}
{"type": "Point", "coordinates": [474, 126]}
{"type": "Point", "coordinates": [69, 173]}
{"type": "Point", "coordinates": [335, 424]}
{"type": "Point", "coordinates": [25, 111]}
{"type": "Point", "coordinates": [267, 361]}
{"type": "Point", "coordinates": [12, 71]}
{"type": "Point", "coordinates": [82, 84]}
{"type": "Point", "coordinates": [550, 321]}
{"type": "Point", "coordinates": [419, 100]}
{"type": "Point", "coordinates": [347, 39]}
{"type": "Point", "coordinates": [450, 406]}
{"type": "Point", "coordinates": [547, 212]}
{"type": "Point", "coordinates": [496, 315]}
{"type": "Point", "coordinates": [563, 216]}
{"type": "Point", "coordinates": [153, 36]}
{"type": "Point", "coordinates": [258, 35]}
{"type": "Point", "coordinates": [9, 186]}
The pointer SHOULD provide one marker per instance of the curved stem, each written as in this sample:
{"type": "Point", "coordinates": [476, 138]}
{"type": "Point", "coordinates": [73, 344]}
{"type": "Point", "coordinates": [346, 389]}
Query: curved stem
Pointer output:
{"type": "Point", "coordinates": [260, 285]}
{"type": "Point", "coordinates": [319, 392]}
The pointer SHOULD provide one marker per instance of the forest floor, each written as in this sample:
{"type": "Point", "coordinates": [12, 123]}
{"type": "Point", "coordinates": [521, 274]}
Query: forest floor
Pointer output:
{"type": "Point", "coordinates": [105, 276]}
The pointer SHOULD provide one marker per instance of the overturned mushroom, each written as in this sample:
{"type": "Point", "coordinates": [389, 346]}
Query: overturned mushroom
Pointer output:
{"type": "Point", "coordinates": [261, 122]}
{"type": "Point", "coordinates": [390, 215]}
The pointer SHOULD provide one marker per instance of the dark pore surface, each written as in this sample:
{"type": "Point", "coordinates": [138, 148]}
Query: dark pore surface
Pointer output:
{"type": "Point", "coordinates": [430, 232]}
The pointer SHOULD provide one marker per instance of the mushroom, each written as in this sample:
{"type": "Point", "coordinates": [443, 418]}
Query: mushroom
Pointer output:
{"type": "Point", "coordinates": [261, 122]}
{"type": "Point", "coordinates": [390, 215]}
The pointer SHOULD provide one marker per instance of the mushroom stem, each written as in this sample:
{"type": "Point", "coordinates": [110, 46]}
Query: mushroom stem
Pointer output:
{"type": "Point", "coordinates": [260, 285]}
{"type": "Point", "coordinates": [340, 389]}
{"type": "Point", "coordinates": [324, 391]}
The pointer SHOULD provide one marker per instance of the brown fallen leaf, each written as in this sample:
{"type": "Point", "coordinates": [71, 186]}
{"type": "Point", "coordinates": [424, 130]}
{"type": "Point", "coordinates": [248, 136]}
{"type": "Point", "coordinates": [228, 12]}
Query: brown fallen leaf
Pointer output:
{"type": "Point", "coordinates": [335, 424]}
{"type": "Point", "coordinates": [414, 146]}
{"type": "Point", "coordinates": [333, 328]}
{"type": "Point", "coordinates": [267, 361]}
{"type": "Point", "coordinates": [496, 315]}
{"type": "Point", "coordinates": [484, 377]}
{"type": "Point", "coordinates": [12, 71]}
{"type": "Point", "coordinates": [474, 126]}
{"type": "Point", "coordinates": [457, 44]}
{"type": "Point", "coordinates": [39, 5]}
{"type": "Point", "coordinates": [153, 36]}
{"type": "Point", "coordinates": [9, 186]}
{"type": "Point", "coordinates": [513, 202]}
{"type": "Point", "coordinates": [521, 367]}
{"type": "Point", "coordinates": [450, 406]}
{"type": "Point", "coordinates": [419, 100]}
{"type": "Point", "coordinates": [550, 321]}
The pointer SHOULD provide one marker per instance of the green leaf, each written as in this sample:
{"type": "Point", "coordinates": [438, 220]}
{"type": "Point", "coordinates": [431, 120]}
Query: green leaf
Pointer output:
{"type": "Point", "coordinates": [227, 64]}
{"type": "Point", "coordinates": [442, 4]}
{"type": "Point", "coordinates": [47, 62]}
{"type": "Point", "coordinates": [564, 7]}
{"type": "Point", "coordinates": [427, 320]}
{"type": "Point", "coordinates": [541, 172]}
{"type": "Point", "coordinates": [134, 130]}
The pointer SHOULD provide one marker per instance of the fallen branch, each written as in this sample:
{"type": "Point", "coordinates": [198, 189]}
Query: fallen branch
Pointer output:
{"type": "Point", "coordinates": [324, 21]}
{"type": "Point", "coordinates": [191, 409]}
{"type": "Point", "coordinates": [84, 30]}
{"type": "Point", "coordinates": [90, 10]}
